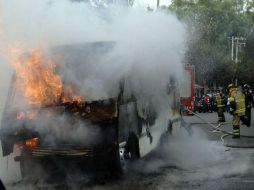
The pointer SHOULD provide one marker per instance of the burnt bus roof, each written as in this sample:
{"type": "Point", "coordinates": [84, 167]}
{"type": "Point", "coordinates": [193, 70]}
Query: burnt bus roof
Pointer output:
{"type": "Point", "coordinates": [77, 60]}
{"type": "Point", "coordinates": [80, 60]}
{"type": "Point", "coordinates": [98, 47]}
{"type": "Point", "coordinates": [75, 54]}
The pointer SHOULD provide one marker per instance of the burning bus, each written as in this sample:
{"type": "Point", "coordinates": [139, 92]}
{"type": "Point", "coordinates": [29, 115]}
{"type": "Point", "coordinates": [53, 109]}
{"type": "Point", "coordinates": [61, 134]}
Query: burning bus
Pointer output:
{"type": "Point", "coordinates": [53, 121]}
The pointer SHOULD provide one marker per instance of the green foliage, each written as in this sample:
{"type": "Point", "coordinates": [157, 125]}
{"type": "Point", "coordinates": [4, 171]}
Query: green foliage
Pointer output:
{"type": "Point", "coordinates": [211, 25]}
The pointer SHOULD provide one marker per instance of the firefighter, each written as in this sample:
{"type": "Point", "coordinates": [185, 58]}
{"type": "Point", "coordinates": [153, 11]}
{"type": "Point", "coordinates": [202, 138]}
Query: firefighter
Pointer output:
{"type": "Point", "coordinates": [248, 104]}
{"type": "Point", "coordinates": [237, 108]}
{"type": "Point", "coordinates": [220, 102]}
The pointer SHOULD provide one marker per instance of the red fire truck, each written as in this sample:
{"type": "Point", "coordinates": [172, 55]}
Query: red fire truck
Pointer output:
{"type": "Point", "coordinates": [187, 89]}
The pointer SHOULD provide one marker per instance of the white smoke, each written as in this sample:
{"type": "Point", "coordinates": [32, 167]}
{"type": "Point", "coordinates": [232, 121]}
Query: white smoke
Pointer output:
{"type": "Point", "coordinates": [186, 161]}
{"type": "Point", "coordinates": [149, 46]}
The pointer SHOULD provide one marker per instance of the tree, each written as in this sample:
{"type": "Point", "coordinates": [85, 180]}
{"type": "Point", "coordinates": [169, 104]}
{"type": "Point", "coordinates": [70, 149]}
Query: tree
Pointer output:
{"type": "Point", "coordinates": [211, 24]}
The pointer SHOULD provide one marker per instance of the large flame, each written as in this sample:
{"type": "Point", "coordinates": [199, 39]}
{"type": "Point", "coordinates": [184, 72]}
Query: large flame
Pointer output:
{"type": "Point", "coordinates": [39, 83]}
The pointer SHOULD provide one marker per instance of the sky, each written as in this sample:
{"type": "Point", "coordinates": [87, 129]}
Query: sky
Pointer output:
{"type": "Point", "coordinates": [152, 3]}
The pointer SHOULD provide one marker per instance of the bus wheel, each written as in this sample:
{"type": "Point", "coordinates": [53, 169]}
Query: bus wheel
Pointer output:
{"type": "Point", "coordinates": [122, 159]}
{"type": "Point", "coordinates": [29, 169]}
{"type": "Point", "coordinates": [133, 148]}
{"type": "Point", "coordinates": [128, 153]}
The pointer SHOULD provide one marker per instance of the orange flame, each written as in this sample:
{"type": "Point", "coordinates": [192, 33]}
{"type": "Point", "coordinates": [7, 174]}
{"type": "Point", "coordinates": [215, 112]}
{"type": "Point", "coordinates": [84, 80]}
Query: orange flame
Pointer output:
{"type": "Point", "coordinates": [20, 115]}
{"type": "Point", "coordinates": [27, 114]}
{"type": "Point", "coordinates": [39, 83]}
{"type": "Point", "coordinates": [69, 95]}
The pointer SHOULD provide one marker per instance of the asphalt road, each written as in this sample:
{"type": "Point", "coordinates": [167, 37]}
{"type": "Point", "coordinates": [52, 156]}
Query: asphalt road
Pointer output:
{"type": "Point", "coordinates": [200, 161]}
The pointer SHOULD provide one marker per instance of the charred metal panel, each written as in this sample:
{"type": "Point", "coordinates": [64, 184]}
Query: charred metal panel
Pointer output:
{"type": "Point", "coordinates": [128, 121]}
{"type": "Point", "coordinates": [96, 111]}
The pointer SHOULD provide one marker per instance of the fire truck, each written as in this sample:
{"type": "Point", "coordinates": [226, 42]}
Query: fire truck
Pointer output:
{"type": "Point", "coordinates": [187, 89]}
{"type": "Point", "coordinates": [107, 132]}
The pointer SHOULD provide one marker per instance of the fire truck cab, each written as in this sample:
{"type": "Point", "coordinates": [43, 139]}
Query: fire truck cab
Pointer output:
{"type": "Point", "coordinates": [187, 89]}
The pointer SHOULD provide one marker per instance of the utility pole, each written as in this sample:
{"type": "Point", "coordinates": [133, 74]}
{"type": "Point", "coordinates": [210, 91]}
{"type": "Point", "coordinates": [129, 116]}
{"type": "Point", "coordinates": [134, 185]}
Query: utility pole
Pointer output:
{"type": "Point", "coordinates": [232, 49]}
{"type": "Point", "coordinates": [130, 3]}
{"type": "Point", "coordinates": [236, 50]}
{"type": "Point", "coordinates": [236, 42]}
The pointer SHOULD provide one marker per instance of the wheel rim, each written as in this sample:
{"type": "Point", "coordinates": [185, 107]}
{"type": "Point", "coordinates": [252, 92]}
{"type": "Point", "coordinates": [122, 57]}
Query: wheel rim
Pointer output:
{"type": "Point", "coordinates": [122, 152]}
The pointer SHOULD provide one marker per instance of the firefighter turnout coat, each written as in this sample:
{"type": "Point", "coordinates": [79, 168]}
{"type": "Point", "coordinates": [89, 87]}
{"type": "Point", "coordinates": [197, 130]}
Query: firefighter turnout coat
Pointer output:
{"type": "Point", "coordinates": [237, 109]}
{"type": "Point", "coordinates": [220, 102]}
{"type": "Point", "coordinates": [237, 104]}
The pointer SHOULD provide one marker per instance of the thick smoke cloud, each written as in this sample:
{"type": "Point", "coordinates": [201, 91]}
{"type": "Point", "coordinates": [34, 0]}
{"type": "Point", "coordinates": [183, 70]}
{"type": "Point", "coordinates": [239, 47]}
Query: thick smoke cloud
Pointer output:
{"type": "Point", "coordinates": [148, 46]}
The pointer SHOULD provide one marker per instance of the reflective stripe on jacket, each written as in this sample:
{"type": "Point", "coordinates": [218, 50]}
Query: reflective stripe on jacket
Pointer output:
{"type": "Point", "coordinates": [220, 101]}
{"type": "Point", "coordinates": [237, 97]}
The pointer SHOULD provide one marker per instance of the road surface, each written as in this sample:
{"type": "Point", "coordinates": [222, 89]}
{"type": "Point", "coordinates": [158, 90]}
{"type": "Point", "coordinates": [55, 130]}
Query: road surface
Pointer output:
{"type": "Point", "coordinates": [200, 161]}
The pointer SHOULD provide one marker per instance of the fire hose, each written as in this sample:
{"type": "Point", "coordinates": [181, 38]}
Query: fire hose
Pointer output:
{"type": "Point", "coordinates": [217, 129]}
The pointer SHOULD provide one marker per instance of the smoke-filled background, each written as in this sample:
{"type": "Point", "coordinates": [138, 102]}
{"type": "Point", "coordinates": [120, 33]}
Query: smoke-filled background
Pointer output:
{"type": "Point", "coordinates": [148, 48]}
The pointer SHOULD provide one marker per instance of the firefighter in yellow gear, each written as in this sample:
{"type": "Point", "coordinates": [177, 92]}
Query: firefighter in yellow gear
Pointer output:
{"type": "Point", "coordinates": [237, 108]}
{"type": "Point", "coordinates": [220, 102]}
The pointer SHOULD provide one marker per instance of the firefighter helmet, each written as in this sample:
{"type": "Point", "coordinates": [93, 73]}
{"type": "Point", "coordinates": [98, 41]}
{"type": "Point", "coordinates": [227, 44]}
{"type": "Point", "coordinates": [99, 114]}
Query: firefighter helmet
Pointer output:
{"type": "Point", "coordinates": [246, 86]}
{"type": "Point", "coordinates": [230, 86]}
